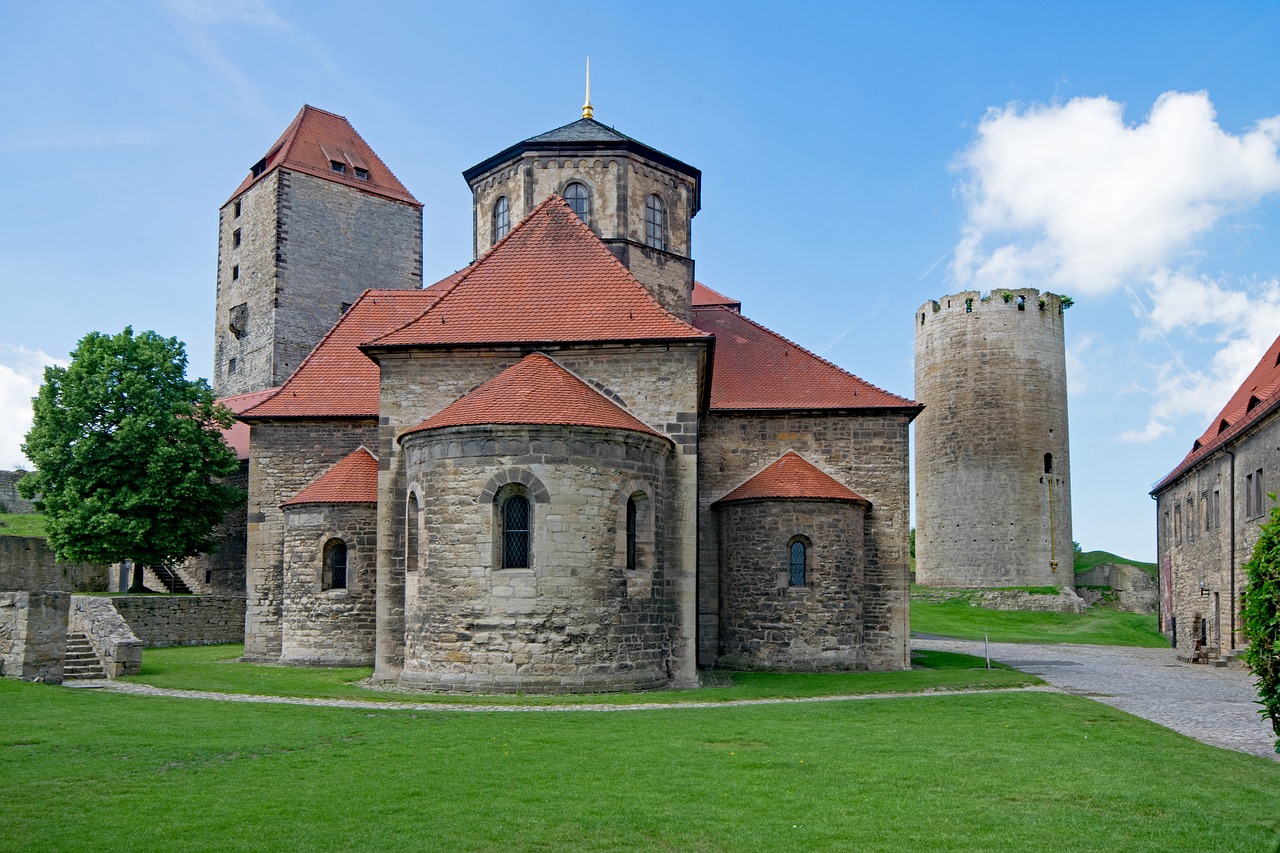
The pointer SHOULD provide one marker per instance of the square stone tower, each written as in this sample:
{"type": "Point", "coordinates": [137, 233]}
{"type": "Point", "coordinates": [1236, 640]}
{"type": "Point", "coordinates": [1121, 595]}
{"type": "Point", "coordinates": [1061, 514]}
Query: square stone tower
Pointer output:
{"type": "Point", "coordinates": [318, 220]}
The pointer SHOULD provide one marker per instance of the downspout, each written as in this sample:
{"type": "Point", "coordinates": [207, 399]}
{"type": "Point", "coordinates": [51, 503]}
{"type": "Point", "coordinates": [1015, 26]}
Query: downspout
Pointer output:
{"type": "Point", "coordinates": [1231, 532]}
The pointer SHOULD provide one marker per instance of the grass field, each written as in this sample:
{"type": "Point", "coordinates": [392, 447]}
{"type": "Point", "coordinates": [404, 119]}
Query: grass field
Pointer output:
{"type": "Point", "coordinates": [21, 524]}
{"type": "Point", "coordinates": [955, 617]}
{"type": "Point", "coordinates": [88, 770]}
{"type": "Point", "coordinates": [1089, 559]}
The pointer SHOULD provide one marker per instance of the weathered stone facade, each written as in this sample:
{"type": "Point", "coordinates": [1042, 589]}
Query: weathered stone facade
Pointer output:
{"type": "Point", "coordinates": [33, 634]}
{"type": "Point", "coordinates": [993, 468]}
{"type": "Point", "coordinates": [27, 563]}
{"type": "Point", "coordinates": [1132, 588]}
{"type": "Point", "coordinates": [182, 620]}
{"type": "Point", "coordinates": [10, 500]}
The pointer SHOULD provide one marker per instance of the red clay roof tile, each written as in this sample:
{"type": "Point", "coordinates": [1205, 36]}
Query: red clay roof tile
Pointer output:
{"type": "Point", "coordinates": [535, 390]}
{"type": "Point", "coordinates": [550, 280]}
{"type": "Point", "coordinates": [315, 138]}
{"type": "Point", "coordinates": [704, 296]}
{"type": "Point", "coordinates": [354, 480]}
{"type": "Point", "coordinates": [1262, 383]}
{"type": "Point", "coordinates": [792, 477]}
{"type": "Point", "coordinates": [759, 369]}
{"type": "Point", "coordinates": [237, 437]}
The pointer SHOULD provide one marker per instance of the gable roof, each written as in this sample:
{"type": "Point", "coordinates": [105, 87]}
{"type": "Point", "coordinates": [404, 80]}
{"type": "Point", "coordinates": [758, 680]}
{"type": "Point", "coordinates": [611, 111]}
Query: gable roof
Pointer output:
{"type": "Point", "coordinates": [704, 297]}
{"type": "Point", "coordinates": [792, 477]}
{"type": "Point", "coordinates": [550, 280]}
{"type": "Point", "coordinates": [757, 369]}
{"type": "Point", "coordinates": [353, 480]}
{"type": "Point", "coordinates": [315, 138]}
{"type": "Point", "coordinates": [535, 390]}
{"type": "Point", "coordinates": [237, 436]}
{"type": "Point", "coordinates": [1256, 397]}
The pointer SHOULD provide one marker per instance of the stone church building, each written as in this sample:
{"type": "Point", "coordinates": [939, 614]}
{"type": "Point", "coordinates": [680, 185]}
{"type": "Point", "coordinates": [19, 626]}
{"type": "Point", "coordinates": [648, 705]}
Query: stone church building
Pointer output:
{"type": "Point", "coordinates": [566, 467]}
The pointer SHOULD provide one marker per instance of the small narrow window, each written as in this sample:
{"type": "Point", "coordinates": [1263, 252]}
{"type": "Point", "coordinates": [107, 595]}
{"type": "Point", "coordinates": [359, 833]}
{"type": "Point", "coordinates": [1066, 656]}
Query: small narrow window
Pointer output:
{"type": "Point", "coordinates": [968, 306]}
{"type": "Point", "coordinates": [235, 237]}
{"type": "Point", "coordinates": [1191, 519]}
{"type": "Point", "coordinates": [334, 573]}
{"type": "Point", "coordinates": [515, 532]}
{"type": "Point", "coordinates": [1248, 496]}
{"type": "Point", "coordinates": [1217, 509]}
{"type": "Point", "coordinates": [337, 168]}
{"type": "Point", "coordinates": [235, 272]}
{"type": "Point", "coordinates": [231, 366]}
{"type": "Point", "coordinates": [1177, 524]}
{"type": "Point", "coordinates": [236, 209]}
{"type": "Point", "coordinates": [576, 194]}
{"type": "Point", "coordinates": [1022, 303]}
{"type": "Point", "coordinates": [921, 318]}
{"type": "Point", "coordinates": [501, 218]}
{"type": "Point", "coordinates": [632, 513]}
{"type": "Point", "coordinates": [362, 174]}
{"type": "Point", "coordinates": [1048, 463]}
{"type": "Point", "coordinates": [655, 222]}
{"type": "Point", "coordinates": [798, 553]}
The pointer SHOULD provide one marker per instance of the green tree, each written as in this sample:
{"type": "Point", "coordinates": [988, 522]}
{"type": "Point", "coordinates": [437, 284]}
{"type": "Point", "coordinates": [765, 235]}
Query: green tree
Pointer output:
{"type": "Point", "coordinates": [1260, 610]}
{"type": "Point", "coordinates": [128, 453]}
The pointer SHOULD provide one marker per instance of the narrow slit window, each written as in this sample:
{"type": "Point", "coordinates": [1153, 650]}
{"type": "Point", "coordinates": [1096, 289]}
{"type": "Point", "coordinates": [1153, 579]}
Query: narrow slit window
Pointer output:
{"type": "Point", "coordinates": [632, 519]}
{"type": "Point", "coordinates": [334, 573]}
{"type": "Point", "coordinates": [798, 555]}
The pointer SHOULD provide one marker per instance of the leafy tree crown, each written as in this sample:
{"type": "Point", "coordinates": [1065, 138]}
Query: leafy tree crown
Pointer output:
{"type": "Point", "coordinates": [1260, 611]}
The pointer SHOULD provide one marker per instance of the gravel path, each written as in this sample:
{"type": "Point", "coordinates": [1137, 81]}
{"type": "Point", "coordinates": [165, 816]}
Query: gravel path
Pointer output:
{"type": "Point", "coordinates": [1211, 704]}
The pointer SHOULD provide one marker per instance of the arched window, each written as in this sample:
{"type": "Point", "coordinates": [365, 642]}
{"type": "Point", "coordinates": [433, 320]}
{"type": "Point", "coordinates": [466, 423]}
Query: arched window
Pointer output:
{"type": "Point", "coordinates": [412, 521]}
{"type": "Point", "coordinates": [501, 218]}
{"type": "Point", "coordinates": [798, 555]}
{"type": "Point", "coordinates": [576, 194]}
{"type": "Point", "coordinates": [334, 573]}
{"type": "Point", "coordinates": [655, 222]}
{"type": "Point", "coordinates": [1048, 463]}
{"type": "Point", "coordinates": [632, 519]}
{"type": "Point", "coordinates": [515, 532]}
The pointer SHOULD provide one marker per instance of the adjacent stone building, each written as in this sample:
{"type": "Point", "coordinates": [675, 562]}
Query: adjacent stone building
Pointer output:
{"type": "Point", "coordinates": [1209, 510]}
{"type": "Point", "coordinates": [993, 465]}
{"type": "Point", "coordinates": [567, 466]}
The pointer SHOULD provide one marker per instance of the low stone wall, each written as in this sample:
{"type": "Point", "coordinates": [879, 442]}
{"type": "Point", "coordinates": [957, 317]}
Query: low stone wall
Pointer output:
{"type": "Point", "coordinates": [1135, 590]}
{"type": "Point", "coordinates": [115, 645]}
{"type": "Point", "coordinates": [27, 563]}
{"type": "Point", "coordinates": [182, 620]}
{"type": "Point", "coordinates": [1066, 601]}
{"type": "Point", "coordinates": [33, 635]}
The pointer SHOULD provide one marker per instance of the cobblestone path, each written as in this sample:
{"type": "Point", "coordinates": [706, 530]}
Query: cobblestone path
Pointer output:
{"type": "Point", "coordinates": [1211, 704]}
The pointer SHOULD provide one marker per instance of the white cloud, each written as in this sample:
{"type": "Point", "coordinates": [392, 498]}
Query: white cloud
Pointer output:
{"type": "Point", "coordinates": [1078, 372]}
{"type": "Point", "coordinates": [1153, 430]}
{"type": "Point", "coordinates": [21, 373]}
{"type": "Point", "coordinates": [1071, 197]}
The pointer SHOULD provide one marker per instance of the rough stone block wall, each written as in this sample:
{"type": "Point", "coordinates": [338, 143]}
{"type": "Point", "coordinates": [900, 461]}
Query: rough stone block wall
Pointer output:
{"type": "Point", "coordinates": [115, 644]}
{"type": "Point", "coordinates": [1135, 590]}
{"type": "Point", "coordinates": [765, 622]}
{"type": "Point", "coordinates": [284, 459]}
{"type": "Point", "coordinates": [182, 620]}
{"type": "Point", "coordinates": [576, 619]}
{"type": "Point", "coordinates": [991, 374]}
{"type": "Point", "coordinates": [33, 635]}
{"type": "Point", "coordinates": [1066, 601]}
{"type": "Point", "coordinates": [27, 563]}
{"type": "Point", "coordinates": [333, 627]}
{"type": "Point", "coordinates": [866, 452]}
{"type": "Point", "coordinates": [10, 500]}
{"type": "Point", "coordinates": [221, 572]}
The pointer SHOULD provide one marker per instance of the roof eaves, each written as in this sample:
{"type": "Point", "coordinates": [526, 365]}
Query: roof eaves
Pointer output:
{"type": "Point", "coordinates": [1235, 431]}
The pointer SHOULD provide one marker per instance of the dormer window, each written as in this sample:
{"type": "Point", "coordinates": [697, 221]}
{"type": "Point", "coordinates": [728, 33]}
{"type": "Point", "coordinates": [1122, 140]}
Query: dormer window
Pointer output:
{"type": "Point", "coordinates": [259, 167]}
{"type": "Point", "coordinates": [501, 218]}
{"type": "Point", "coordinates": [1222, 426]}
{"type": "Point", "coordinates": [337, 168]}
{"type": "Point", "coordinates": [361, 174]}
{"type": "Point", "coordinates": [576, 194]}
{"type": "Point", "coordinates": [655, 222]}
{"type": "Point", "coordinates": [1253, 402]}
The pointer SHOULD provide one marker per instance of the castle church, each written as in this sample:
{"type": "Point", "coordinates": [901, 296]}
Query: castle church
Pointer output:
{"type": "Point", "coordinates": [568, 466]}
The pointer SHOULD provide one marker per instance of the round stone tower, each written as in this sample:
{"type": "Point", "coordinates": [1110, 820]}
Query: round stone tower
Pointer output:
{"type": "Point", "coordinates": [993, 470]}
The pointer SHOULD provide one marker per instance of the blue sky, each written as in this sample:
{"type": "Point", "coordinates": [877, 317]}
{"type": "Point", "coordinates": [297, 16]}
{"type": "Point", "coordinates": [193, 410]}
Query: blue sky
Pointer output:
{"type": "Point", "coordinates": [858, 159]}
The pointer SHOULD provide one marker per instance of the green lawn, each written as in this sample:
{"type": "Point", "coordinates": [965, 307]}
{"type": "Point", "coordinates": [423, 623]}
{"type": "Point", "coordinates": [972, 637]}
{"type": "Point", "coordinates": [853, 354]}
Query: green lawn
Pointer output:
{"type": "Point", "coordinates": [89, 770]}
{"type": "Point", "coordinates": [1100, 625]}
{"type": "Point", "coordinates": [1089, 559]}
{"type": "Point", "coordinates": [22, 524]}
{"type": "Point", "coordinates": [215, 668]}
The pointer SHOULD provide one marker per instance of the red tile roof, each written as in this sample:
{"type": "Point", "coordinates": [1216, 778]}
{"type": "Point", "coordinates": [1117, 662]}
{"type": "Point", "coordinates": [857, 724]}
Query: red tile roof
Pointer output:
{"type": "Point", "coordinates": [354, 480]}
{"type": "Point", "coordinates": [550, 280]}
{"type": "Point", "coordinates": [792, 477]}
{"type": "Point", "coordinates": [1257, 396]}
{"type": "Point", "coordinates": [314, 139]}
{"type": "Point", "coordinates": [704, 296]}
{"type": "Point", "coordinates": [535, 390]}
{"type": "Point", "coordinates": [756, 369]}
{"type": "Point", "coordinates": [237, 437]}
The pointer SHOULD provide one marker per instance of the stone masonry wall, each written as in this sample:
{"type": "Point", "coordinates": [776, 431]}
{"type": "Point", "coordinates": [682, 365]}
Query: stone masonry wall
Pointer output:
{"type": "Point", "coordinates": [1135, 590]}
{"type": "Point", "coordinates": [992, 377]}
{"type": "Point", "coordinates": [221, 572]}
{"type": "Point", "coordinates": [329, 627]}
{"type": "Point", "coordinates": [33, 635]}
{"type": "Point", "coordinates": [10, 500]}
{"type": "Point", "coordinates": [182, 620]}
{"type": "Point", "coordinates": [765, 622]}
{"type": "Point", "coordinates": [866, 452]}
{"type": "Point", "coordinates": [285, 457]}
{"type": "Point", "coordinates": [118, 649]}
{"type": "Point", "coordinates": [27, 563]}
{"type": "Point", "coordinates": [576, 619]}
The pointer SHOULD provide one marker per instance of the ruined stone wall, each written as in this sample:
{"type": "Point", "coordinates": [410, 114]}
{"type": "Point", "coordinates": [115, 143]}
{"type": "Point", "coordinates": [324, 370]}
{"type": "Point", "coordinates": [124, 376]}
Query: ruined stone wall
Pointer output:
{"type": "Point", "coordinates": [1134, 589]}
{"type": "Point", "coordinates": [766, 623]}
{"type": "Point", "coordinates": [221, 571]}
{"type": "Point", "coordinates": [33, 635]}
{"type": "Point", "coordinates": [866, 452]}
{"type": "Point", "coordinates": [576, 619]}
{"type": "Point", "coordinates": [27, 563]}
{"type": "Point", "coordinates": [992, 377]}
{"type": "Point", "coordinates": [307, 247]}
{"type": "Point", "coordinates": [182, 620]}
{"type": "Point", "coordinates": [1199, 517]}
{"type": "Point", "coordinates": [10, 500]}
{"type": "Point", "coordinates": [284, 458]}
{"type": "Point", "coordinates": [329, 627]}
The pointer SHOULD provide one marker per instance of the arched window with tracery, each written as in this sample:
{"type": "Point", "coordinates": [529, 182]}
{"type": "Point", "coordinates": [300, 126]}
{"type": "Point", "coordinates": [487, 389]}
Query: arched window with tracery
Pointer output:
{"type": "Point", "coordinates": [579, 199]}
{"type": "Point", "coordinates": [333, 574]}
{"type": "Point", "coordinates": [501, 218]}
{"type": "Point", "coordinates": [655, 222]}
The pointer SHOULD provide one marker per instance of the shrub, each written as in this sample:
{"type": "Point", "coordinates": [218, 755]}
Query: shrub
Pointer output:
{"type": "Point", "coordinates": [1261, 614]}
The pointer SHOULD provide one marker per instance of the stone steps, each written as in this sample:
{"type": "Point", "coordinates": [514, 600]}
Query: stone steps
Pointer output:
{"type": "Point", "coordinates": [81, 661]}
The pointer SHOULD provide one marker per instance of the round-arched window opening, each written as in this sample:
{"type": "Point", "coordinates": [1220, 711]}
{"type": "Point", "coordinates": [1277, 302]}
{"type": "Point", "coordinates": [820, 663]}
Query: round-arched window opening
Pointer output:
{"type": "Point", "coordinates": [333, 574]}
{"type": "Point", "coordinates": [515, 532]}
{"type": "Point", "coordinates": [1048, 463]}
{"type": "Point", "coordinates": [799, 557]}
{"type": "Point", "coordinates": [577, 196]}
{"type": "Point", "coordinates": [501, 218]}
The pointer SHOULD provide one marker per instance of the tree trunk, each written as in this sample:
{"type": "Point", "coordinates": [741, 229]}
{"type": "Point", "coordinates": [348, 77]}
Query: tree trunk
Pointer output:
{"type": "Point", "coordinates": [137, 585]}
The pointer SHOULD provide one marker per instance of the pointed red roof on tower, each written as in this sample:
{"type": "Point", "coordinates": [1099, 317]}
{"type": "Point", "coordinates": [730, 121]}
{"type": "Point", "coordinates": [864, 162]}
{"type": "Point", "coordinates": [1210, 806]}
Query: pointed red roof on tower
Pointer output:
{"type": "Point", "coordinates": [550, 280]}
{"type": "Point", "coordinates": [793, 477]}
{"type": "Point", "coordinates": [325, 145]}
{"type": "Point", "coordinates": [535, 390]}
{"type": "Point", "coordinates": [756, 368]}
{"type": "Point", "coordinates": [354, 480]}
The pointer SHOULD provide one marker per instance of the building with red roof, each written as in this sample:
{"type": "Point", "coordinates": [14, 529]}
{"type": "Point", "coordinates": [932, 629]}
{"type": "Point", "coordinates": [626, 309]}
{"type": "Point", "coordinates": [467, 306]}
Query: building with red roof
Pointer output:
{"type": "Point", "coordinates": [1209, 511]}
{"type": "Point", "coordinates": [567, 466]}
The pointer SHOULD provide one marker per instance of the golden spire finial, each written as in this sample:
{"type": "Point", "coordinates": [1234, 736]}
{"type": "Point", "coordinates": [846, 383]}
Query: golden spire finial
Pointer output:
{"type": "Point", "coordinates": [586, 108]}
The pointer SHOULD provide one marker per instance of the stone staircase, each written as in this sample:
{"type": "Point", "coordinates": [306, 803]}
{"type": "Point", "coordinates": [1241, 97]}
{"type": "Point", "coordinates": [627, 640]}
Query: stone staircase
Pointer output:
{"type": "Point", "coordinates": [167, 578]}
{"type": "Point", "coordinates": [81, 661]}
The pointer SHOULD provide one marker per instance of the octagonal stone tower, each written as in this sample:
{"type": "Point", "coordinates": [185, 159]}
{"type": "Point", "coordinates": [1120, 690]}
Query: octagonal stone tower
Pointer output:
{"type": "Point", "coordinates": [993, 472]}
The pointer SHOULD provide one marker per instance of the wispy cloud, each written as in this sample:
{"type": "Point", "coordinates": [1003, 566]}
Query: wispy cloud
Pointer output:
{"type": "Point", "coordinates": [21, 373]}
{"type": "Point", "coordinates": [74, 136]}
